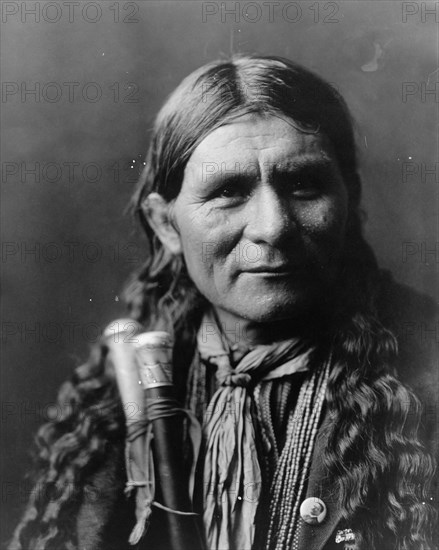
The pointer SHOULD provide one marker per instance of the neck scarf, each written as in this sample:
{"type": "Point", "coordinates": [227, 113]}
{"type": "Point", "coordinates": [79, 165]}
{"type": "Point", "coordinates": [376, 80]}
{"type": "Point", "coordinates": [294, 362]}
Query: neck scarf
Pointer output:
{"type": "Point", "coordinates": [232, 474]}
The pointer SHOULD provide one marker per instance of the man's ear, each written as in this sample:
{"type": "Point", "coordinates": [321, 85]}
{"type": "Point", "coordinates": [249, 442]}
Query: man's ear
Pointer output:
{"type": "Point", "coordinates": [157, 211]}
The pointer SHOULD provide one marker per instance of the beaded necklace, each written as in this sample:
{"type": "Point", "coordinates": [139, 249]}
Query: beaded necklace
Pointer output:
{"type": "Point", "coordinates": [290, 466]}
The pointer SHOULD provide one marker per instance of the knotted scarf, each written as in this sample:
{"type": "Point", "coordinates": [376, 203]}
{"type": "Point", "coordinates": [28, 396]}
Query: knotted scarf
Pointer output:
{"type": "Point", "coordinates": [232, 474]}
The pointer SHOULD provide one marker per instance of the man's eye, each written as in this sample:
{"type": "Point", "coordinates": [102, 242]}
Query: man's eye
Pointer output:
{"type": "Point", "coordinates": [228, 192]}
{"type": "Point", "coordinates": [307, 187]}
{"type": "Point", "coordinates": [232, 192]}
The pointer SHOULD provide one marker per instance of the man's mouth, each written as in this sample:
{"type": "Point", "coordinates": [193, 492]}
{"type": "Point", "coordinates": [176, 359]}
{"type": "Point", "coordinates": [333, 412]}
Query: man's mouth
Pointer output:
{"type": "Point", "coordinates": [272, 270]}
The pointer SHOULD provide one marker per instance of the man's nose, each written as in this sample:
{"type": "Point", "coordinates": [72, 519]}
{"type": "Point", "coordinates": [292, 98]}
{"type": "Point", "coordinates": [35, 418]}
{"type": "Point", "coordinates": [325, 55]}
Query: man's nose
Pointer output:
{"type": "Point", "coordinates": [270, 217]}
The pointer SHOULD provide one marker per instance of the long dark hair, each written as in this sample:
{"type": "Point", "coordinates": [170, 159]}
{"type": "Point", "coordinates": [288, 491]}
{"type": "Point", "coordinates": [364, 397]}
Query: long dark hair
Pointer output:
{"type": "Point", "coordinates": [373, 450]}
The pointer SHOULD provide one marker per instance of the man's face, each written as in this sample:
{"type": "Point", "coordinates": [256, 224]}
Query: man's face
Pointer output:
{"type": "Point", "coordinates": [316, 510]}
{"type": "Point", "coordinates": [261, 215]}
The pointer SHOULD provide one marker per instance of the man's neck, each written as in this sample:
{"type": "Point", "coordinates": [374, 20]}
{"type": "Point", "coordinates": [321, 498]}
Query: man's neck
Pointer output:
{"type": "Point", "coordinates": [243, 333]}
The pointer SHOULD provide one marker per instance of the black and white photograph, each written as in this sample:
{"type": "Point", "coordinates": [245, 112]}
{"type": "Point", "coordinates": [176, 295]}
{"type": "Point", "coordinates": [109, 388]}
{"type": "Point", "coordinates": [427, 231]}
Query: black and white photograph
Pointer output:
{"type": "Point", "coordinates": [219, 265]}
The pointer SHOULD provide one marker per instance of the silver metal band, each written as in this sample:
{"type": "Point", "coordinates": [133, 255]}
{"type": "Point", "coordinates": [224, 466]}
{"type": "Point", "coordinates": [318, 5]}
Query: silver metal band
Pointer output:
{"type": "Point", "coordinates": [155, 376]}
{"type": "Point", "coordinates": [154, 340]}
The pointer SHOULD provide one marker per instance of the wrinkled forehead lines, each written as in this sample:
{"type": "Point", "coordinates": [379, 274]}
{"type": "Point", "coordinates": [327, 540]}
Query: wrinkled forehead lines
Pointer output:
{"type": "Point", "coordinates": [261, 144]}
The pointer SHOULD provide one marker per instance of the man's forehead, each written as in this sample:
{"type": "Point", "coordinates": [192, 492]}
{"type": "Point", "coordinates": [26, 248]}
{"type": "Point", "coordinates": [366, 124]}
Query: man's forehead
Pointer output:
{"type": "Point", "coordinates": [270, 143]}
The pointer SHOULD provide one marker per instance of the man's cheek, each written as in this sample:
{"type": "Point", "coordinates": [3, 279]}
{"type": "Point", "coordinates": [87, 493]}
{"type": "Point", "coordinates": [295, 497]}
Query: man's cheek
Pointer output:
{"type": "Point", "coordinates": [328, 234]}
{"type": "Point", "coordinates": [200, 267]}
{"type": "Point", "coordinates": [334, 225]}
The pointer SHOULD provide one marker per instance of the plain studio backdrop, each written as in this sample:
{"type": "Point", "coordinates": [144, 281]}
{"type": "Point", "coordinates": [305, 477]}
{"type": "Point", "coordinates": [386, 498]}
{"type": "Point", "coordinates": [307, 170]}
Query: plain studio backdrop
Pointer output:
{"type": "Point", "coordinates": [81, 83]}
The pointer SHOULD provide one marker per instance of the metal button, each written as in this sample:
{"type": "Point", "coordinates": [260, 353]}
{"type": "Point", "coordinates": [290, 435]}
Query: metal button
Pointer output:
{"type": "Point", "coordinates": [313, 511]}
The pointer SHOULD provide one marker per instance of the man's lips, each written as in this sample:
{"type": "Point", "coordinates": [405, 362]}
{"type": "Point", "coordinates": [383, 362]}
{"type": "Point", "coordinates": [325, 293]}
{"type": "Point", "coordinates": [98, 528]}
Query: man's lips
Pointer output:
{"type": "Point", "coordinates": [271, 268]}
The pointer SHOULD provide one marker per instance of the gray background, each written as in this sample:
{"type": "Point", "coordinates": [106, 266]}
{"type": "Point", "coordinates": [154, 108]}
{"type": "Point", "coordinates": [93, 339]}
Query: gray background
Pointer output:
{"type": "Point", "coordinates": [66, 292]}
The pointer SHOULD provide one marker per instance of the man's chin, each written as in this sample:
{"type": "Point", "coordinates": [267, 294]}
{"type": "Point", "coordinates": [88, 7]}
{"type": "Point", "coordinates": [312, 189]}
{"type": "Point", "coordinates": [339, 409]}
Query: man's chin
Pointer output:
{"type": "Point", "coordinates": [267, 311]}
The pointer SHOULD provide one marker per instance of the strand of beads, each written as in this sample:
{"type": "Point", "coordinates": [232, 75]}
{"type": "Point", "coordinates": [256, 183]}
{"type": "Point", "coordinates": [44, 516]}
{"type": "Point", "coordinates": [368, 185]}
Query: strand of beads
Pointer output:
{"type": "Point", "coordinates": [293, 536]}
{"type": "Point", "coordinates": [293, 467]}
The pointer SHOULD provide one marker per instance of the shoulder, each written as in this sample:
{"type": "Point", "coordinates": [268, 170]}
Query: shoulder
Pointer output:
{"type": "Point", "coordinates": [414, 319]}
{"type": "Point", "coordinates": [410, 312]}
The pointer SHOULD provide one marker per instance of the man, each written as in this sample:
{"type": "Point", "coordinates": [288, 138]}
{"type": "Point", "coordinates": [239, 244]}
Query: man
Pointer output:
{"type": "Point", "coordinates": [258, 269]}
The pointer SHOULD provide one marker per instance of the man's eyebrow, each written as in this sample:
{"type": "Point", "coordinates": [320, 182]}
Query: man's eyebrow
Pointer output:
{"type": "Point", "coordinates": [299, 164]}
{"type": "Point", "coordinates": [219, 173]}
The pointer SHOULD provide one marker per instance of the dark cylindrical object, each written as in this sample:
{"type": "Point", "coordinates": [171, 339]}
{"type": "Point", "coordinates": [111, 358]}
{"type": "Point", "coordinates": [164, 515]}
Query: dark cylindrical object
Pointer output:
{"type": "Point", "coordinates": [154, 356]}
